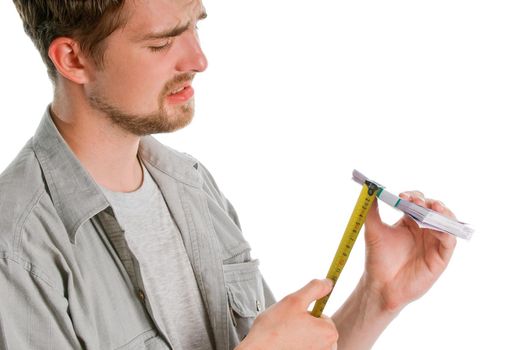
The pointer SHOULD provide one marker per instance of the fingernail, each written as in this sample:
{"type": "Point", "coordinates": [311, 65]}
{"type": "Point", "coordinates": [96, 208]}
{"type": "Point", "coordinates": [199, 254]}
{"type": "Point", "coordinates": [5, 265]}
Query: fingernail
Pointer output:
{"type": "Point", "coordinates": [329, 282]}
{"type": "Point", "coordinates": [438, 206]}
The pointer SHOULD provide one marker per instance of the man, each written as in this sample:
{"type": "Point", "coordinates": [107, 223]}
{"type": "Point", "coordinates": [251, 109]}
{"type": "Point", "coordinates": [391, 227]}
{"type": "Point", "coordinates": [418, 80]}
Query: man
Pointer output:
{"type": "Point", "coordinates": [109, 240]}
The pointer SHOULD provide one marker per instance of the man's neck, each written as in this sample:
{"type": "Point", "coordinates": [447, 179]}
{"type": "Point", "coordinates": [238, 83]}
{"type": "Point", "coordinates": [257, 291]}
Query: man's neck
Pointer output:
{"type": "Point", "coordinates": [108, 153]}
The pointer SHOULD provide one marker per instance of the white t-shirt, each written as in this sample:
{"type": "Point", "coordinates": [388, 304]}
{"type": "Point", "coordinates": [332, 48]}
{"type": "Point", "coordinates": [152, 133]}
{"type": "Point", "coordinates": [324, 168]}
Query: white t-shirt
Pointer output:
{"type": "Point", "coordinates": [170, 285]}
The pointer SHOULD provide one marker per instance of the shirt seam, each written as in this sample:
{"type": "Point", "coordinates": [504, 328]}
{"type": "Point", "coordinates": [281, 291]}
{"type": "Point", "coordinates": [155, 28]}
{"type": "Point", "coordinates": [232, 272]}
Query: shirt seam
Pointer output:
{"type": "Point", "coordinates": [17, 239]}
{"type": "Point", "coordinates": [211, 228]}
{"type": "Point", "coordinates": [29, 267]}
{"type": "Point", "coordinates": [139, 336]}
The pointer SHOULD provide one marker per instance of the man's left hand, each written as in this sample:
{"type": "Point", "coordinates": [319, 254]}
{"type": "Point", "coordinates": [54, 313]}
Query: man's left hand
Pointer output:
{"type": "Point", "coordinates": [403, 260]}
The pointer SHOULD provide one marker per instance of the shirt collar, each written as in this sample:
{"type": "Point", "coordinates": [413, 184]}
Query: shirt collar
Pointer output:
{"type": "Point", "coordinates": [75, 194]}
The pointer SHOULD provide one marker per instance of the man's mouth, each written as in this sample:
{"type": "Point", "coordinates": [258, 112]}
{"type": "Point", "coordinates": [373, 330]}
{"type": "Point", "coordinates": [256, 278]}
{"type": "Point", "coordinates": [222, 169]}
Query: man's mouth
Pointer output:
{"type": "Point", "coordinates": [177, 90]}
{"type": "Point", "coordinates": [181, 94]}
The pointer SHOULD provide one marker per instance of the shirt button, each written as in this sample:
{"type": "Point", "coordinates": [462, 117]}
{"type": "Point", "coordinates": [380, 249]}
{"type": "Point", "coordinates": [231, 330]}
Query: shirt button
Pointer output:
{"type": "Point", "coordinates": [258, 306]}
{"type": "Point", "coordinates": [141, 295]}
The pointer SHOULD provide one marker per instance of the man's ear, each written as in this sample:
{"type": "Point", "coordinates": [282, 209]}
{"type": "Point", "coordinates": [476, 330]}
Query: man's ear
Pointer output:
{"type": "Point", "coordinates": [69, 60]}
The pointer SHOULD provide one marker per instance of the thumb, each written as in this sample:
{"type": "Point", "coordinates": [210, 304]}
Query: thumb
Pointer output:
{"type": "Point", "coordinates": [373, 220]}
{"type": "Point", "coordinates": [374, 224]}
{"type": "Point", "coordinates": [312, 291]}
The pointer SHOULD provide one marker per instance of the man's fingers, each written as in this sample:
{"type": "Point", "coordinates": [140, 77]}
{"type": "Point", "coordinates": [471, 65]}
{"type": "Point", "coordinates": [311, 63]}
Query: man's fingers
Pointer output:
{"type": "Point", "coordinates": [312, 291]}
{"type": "Point", "coordinates": [416, 197]}
{"type": "Point", "coordinates": [331, 324]}
{"type": "Point", "coordinates": [448, 242]}
{"type": "Point", "coordinates": [412, 194]}
{"type": "Point", "coordinates": [419, 198]}
{"type": "Point", "coordinates": [440, 207]}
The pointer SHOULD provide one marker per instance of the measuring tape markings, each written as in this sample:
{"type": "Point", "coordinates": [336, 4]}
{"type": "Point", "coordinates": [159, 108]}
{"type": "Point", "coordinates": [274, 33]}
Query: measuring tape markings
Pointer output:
{"type": "Point", "coordinates": [358, 216]}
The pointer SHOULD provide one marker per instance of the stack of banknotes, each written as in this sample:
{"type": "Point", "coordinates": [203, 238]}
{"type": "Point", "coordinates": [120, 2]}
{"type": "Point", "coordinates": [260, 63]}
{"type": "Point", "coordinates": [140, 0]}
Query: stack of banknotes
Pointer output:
{"type": "Point", "coordinates": [424, 217]}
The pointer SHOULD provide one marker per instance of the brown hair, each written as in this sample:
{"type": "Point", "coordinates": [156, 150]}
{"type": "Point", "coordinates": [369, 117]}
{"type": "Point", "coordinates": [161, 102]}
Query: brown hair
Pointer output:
{"type": "Point", "coordinates": [89, 22]}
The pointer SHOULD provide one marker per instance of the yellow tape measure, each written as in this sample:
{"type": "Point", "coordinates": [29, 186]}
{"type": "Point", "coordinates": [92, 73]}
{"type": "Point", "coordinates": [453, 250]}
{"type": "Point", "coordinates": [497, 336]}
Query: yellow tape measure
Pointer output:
{"type": "Point", "coordinates": [366, 198]}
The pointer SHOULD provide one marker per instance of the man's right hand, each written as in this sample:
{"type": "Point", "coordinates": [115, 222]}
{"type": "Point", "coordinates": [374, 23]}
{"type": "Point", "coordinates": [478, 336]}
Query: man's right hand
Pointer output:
{"type": "Point", "coordinates": [288, 325]}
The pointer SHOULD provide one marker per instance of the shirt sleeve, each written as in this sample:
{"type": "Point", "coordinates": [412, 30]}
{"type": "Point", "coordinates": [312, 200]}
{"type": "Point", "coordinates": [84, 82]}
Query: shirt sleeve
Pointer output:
{"type": "Point", "coordinates": [33, 314]}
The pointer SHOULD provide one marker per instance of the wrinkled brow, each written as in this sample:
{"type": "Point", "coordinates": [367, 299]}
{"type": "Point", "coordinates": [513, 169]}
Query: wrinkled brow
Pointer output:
{"type": "Point", "coordinates": [172, 32]}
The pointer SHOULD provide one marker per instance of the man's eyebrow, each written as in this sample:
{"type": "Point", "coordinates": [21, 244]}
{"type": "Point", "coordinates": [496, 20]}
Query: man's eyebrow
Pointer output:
{"type": "Point", "coordinates": [178, 30]}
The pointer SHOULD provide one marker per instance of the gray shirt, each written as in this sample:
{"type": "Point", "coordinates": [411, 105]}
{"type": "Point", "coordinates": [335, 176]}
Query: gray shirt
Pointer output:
{"type": "Point", "coordinates": [169, 281]}
{"type": "Point", "coordinates": [63, 283]}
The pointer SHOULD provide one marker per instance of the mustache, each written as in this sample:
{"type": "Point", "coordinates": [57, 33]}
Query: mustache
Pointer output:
{"type": "Point", "coordinates": [177, 81]}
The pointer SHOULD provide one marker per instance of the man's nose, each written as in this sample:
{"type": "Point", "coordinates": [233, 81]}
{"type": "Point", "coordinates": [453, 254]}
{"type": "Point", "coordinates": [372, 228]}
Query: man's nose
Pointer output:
{"type": "Point", "coordinates": [191, 57]}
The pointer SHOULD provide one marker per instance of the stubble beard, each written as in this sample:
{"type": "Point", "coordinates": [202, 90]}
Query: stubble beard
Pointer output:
{"type": "Point", "coordinates": [161, 121]}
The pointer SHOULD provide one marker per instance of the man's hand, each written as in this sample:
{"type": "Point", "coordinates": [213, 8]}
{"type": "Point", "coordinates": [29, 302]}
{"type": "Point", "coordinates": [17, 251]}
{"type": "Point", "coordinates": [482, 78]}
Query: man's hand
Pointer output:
{"type": "Point", "coordinates": [403, 261]}
{"type": "Point", "coordinates": [287, 325]}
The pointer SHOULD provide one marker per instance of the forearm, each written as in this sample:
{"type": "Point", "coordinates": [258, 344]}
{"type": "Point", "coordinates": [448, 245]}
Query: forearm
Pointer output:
{"type": "Point", "coordinates": [362, 319]}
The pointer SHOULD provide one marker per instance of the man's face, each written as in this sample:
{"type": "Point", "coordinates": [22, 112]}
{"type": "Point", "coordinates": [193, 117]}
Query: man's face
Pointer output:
{"type": "Point", "coordinates": [144, 84]}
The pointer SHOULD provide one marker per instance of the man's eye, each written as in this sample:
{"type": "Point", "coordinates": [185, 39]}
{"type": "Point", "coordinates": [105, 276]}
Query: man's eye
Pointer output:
{"type": "Point", "coordinates": [159, 48]}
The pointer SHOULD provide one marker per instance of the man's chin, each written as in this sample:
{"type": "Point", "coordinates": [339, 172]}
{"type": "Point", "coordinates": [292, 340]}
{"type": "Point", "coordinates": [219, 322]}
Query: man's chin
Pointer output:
{"type": "Point", "coordinates": [179, 123]}
{"type": "Point", "coordinates": [178, 118]}
{"type": "Point", "coordinates": [168, 124]}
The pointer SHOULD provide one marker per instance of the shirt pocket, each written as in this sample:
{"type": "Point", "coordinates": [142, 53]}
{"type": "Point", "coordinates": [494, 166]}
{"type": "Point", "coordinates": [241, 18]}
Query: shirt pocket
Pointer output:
{"type": "Point", "coordinates": [245, 294]}
{"type": "Point", "coordinates": [149, 340]}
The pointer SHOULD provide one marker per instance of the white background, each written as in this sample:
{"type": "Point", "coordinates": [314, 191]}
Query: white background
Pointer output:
{"type": "Point", "coordinates": [427, 95]}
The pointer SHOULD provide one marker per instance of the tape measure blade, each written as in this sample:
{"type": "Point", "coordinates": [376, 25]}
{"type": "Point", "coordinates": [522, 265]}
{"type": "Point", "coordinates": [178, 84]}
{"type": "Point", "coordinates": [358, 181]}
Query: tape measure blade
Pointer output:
{"type": "Point", "coordinates": [357, 218]}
